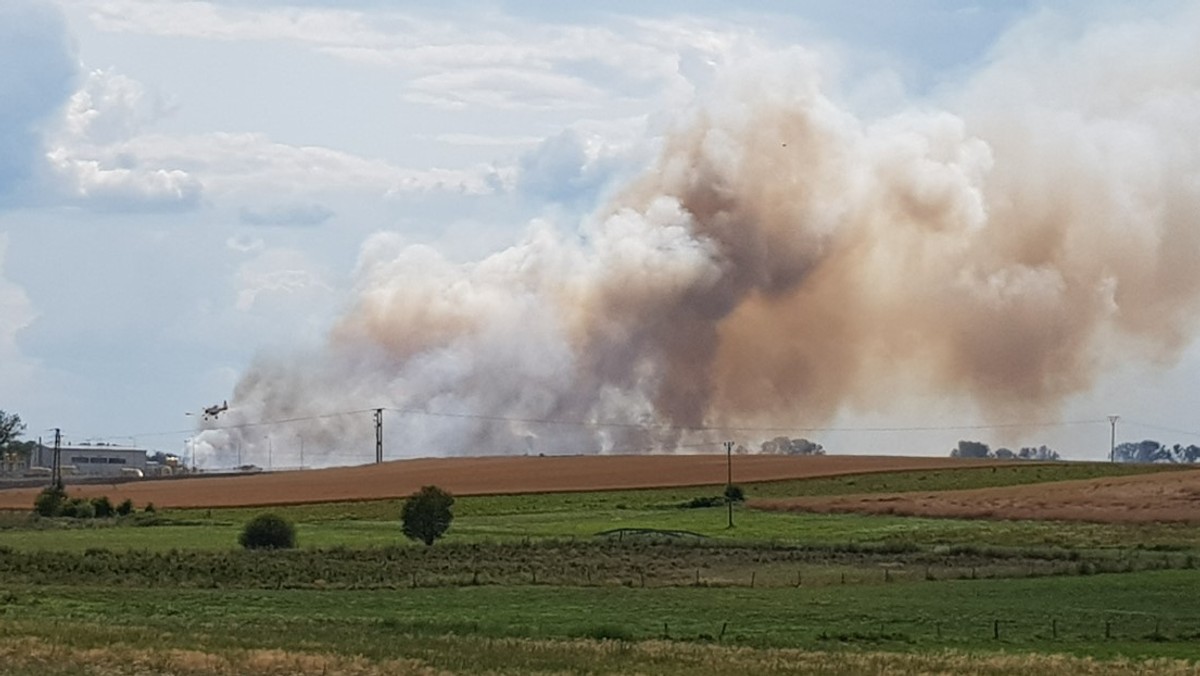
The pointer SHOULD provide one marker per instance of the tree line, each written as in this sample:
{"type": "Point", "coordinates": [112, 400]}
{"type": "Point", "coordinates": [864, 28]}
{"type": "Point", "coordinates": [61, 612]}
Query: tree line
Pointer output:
{"type": "Point", "coordinates": [978, 449]}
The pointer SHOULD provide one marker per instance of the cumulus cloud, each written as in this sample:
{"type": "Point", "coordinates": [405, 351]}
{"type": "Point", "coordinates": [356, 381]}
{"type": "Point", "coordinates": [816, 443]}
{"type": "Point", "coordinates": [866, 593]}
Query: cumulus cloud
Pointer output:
{"type": "Point", "coordinates": [570, 167]}
{"type": "Point", "coordinates": [785, 260]}
{"type": "Point", "coordinates": [37, 72]}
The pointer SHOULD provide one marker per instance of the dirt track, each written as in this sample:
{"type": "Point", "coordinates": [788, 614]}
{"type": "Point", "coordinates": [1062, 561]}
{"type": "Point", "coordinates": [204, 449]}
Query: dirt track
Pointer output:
{"type": "Point", "coordinates": [481, 476]}
{"type": "Point", "coordinates": [1157, 497]}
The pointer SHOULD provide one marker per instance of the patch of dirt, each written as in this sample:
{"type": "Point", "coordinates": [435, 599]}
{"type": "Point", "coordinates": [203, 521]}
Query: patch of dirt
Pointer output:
{"type": "Point", "coordinates": [1157, 497]}
{"type": "Point", "coordinates": [481, 476]}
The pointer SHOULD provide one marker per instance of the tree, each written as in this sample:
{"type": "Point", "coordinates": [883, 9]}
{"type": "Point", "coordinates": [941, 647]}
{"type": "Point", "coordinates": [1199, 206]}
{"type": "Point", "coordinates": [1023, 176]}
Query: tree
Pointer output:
{"type": "Point", "coordinates": [426, 515]}
{"type": "Point", "coordinates": [971, 449]}
{"type": "Point", "coordinates": [268, 531]}
{"type": "Point", "coordinates": [50, 501]}
{"type": "Point", "coordinates": [11, 428]}
{"type": "Point", "coordinates": [734, 493]}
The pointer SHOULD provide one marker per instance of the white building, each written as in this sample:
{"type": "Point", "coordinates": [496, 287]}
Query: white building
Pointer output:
{"type": "Point", "coordinates": [93, 459]}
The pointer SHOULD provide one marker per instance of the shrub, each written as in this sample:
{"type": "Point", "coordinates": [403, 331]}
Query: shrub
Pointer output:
{"type": "Point", "coordinates": [702, 502]}
{"type": "Point", "coordinates": [734, 493]}
{"type": "Point", "coordinates": [79, 508]}
{"type": "Point", "coordinates": [268, 531]}
{"type": "Point", "coordinates": [50, 501]}
{"type": "Point", "coordinates": [102, 506]}
{"type": "Point", "coordinates": [149, 508]}
{"type": "Point", "coordinates": [426, 515]}
{"type": "Point", "coordinates": [125, 508]}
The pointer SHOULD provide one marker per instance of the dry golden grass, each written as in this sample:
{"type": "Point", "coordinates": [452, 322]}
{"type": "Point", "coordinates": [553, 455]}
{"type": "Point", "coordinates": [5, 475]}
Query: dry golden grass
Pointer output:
{"type": "Point", "coordinates": [518, 656]}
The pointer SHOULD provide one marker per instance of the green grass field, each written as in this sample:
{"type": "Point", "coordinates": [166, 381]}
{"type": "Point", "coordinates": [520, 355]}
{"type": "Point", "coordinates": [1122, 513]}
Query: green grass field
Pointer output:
{"type": "Point", "coordinates": [522, 584]}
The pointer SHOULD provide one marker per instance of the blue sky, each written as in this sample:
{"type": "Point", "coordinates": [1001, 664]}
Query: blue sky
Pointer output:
{"type": "Point", "coordinates": [189, 187]}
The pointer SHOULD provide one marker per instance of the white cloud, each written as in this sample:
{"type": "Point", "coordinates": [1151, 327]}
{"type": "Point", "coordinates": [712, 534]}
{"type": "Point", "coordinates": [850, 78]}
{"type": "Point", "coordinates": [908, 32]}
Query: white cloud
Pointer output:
{"type": "Point", "coordinates": [480, 59]}
{"type": "Point", "coordinates": [299, 215]}
{"type": "Point", "coordinates": [111, 107]}
{"type": "Point", "coordinates": [280, 277]}
{"type": "Point", "coordinates": [16, 313]}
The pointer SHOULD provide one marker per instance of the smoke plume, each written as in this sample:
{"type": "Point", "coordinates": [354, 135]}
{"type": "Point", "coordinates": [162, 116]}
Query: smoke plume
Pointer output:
{"type": "Point", "coordinates": [786, 259]}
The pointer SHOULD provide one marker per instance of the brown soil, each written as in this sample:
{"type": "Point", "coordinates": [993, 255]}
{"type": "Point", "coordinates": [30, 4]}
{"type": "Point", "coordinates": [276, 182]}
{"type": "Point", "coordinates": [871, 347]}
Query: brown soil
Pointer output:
{"type": "Point", "coordinates": [1157, 497]}
{"type": "Point", "coordinates": [480, 476]}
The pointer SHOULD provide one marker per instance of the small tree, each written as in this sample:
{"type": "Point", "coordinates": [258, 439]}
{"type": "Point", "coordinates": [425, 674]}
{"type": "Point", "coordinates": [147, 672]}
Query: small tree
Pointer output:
{"type": "Point", "coordinates": [734, 493]}
{"type": "Point", "coordinates": [125, 508]}
{"type": "Point", "coordinates": [426, 515]}
{"type": "Point", "coordinates": [50, 501]}
{"type": "Point", "coordinates": [268, 531]}
{"type": "Point", "coordinates": [102, 506]}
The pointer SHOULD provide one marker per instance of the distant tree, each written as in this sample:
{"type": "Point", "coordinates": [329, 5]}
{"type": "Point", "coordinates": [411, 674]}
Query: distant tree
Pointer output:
{"type": "Point", "coordinates": [786, 446]}
{"type": "Point", "coordinates": [971, 449]}
{"type": "Point", "coordinates": [1150, 451]}
{"type": "Point", "coordinates": [1039, 453]}
{"type": "Point", "coordinates": [11, 428]}
{"type": "Point", "coordinates": [426, 515]}
{"type": "Point", "coordinates": [50, 501]}
{"type": "Point", "coordinates": [1004, 454]}
{"type": "Point", "coordinates": [103, 507]}
{"type": "Point", "coordinates": [125, 508]}
{"type": "Point", "coordinates": [268, 531]}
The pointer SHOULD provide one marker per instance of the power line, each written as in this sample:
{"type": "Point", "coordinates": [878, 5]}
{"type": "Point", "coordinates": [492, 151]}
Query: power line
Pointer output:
{"type": "Point", "coordinates": [1160, 428]}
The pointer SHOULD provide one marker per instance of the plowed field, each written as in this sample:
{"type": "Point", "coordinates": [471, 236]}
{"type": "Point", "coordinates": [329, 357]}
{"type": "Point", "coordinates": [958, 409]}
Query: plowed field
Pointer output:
{"type": "Point", "coordinates": [481, 476]}
{"type": "Point", "coordinates": [1157, 497]}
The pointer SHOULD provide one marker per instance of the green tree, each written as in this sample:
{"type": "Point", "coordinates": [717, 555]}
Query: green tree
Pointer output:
{"type": "Point", "coordinates": [268, 531]}
{"type": "Point", "coordinates": [50, 501]}
{"type": "Point", "coordinates": [426, 515]}
{"type": "Point", "coordinates": [11, 428]}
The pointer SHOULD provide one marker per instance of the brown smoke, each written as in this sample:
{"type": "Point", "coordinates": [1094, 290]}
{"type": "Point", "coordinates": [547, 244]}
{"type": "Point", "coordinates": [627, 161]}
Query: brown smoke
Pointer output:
{"type": "Point", "coordinates": [785, 260]}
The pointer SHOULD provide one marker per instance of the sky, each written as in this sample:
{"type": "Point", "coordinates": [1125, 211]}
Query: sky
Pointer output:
{"type": "Point", "coordinates": [191, 189]}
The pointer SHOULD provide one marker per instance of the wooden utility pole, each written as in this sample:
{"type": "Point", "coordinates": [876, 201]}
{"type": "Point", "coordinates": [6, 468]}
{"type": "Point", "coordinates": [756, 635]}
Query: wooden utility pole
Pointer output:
{"type": "Point", "coordinates": [1112, 440]}
{"type": "Point", "coordinates": [378, 435]}
{"type": "Point", "coordinates": [56, 479]}
{"type": "Point", "coordinates": [729, 480]}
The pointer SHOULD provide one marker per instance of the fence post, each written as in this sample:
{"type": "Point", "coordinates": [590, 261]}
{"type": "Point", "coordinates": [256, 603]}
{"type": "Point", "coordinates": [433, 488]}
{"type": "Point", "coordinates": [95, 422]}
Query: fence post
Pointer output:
{"type": "Point", "coordinates": [996, 629]}
{"type": "Point", "coordinates": [1054, 628]}
{"type": "Point", "coordinates": [752, 573]}
{"type": "Point", "coordinates": [724, 626]}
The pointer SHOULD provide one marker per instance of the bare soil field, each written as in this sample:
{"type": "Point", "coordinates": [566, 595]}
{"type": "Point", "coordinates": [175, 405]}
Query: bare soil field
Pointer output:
{"type": "Point", "coordinates": [1157, 497]}
{"type": "Point", "coordinates": [481, 476]}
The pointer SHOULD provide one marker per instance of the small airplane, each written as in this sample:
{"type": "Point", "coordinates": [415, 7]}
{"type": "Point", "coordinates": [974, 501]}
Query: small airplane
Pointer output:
{"type": "Point", "coordinates": [211, 412]}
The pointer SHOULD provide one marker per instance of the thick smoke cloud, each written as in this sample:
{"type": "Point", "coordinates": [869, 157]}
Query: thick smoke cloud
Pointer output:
{"type": "Point", "coordinates": [786, 259]}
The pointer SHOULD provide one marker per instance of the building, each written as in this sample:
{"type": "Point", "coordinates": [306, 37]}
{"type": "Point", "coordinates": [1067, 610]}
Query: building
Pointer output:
{"type": "Point", "coordinates": [94, 459]}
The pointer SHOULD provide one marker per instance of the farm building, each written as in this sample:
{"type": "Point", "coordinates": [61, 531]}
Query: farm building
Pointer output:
{"type": "Point", "coordinates": [94, 459]}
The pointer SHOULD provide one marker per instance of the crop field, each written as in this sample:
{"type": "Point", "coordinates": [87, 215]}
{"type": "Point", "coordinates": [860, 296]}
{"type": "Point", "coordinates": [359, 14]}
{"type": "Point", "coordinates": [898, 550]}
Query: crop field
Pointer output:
{"type": "Point", "coordinates": [633, 579]}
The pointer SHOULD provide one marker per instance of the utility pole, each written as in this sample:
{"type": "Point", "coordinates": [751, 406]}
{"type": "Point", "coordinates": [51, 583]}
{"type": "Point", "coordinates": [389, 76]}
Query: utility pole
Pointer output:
{"type": "Point", "coordinates": [56, 469]}
{"type": "Point", "coordinates": [301, 451]}
{"type": "Point", "coordinates": [270, 453]}
{"type": "Point", "coordinates": [378, 435]}
{"type": "Point", "coordinates": [1112, 440]}
{"type": "Point", "coordinates": [729, 480]}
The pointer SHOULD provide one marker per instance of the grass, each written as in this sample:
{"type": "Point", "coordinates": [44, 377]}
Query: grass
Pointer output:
{"type": "Point", "coordinates": [101, 652]}
{"type": "Point", "coordinates": [1138, 615]}
{"type": "Point", "coordinates": [523, 585]}
{"type": "Point", "coordinates": [582, 515]}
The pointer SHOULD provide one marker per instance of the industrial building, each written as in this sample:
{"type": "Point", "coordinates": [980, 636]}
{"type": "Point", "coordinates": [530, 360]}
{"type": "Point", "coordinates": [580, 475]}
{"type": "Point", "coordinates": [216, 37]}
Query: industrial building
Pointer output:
{"type": "Point", "coordinates": [94, 459]}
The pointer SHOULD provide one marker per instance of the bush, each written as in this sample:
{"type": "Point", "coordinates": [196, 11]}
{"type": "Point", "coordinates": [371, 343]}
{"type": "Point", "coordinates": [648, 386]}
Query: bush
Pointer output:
{"type": "Point", "coordinates": [149, 508]}
{"type": "Point", "coordinates": [79, 508]}
{"type": "Point", "coordinates": [102, 506]}
{"type": "Point", "coordinates": [125, 508]}
{"type": "Point", "coordinates": [268, 531]}
{"type": "Point", "coordinates": [50, 501]}
{"type": "Point", "coordinates": [734, 493]}
{"type": "Point", "coordinates": [702, 502]}
{"type": "Point", "coordinates": [426, 515]}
